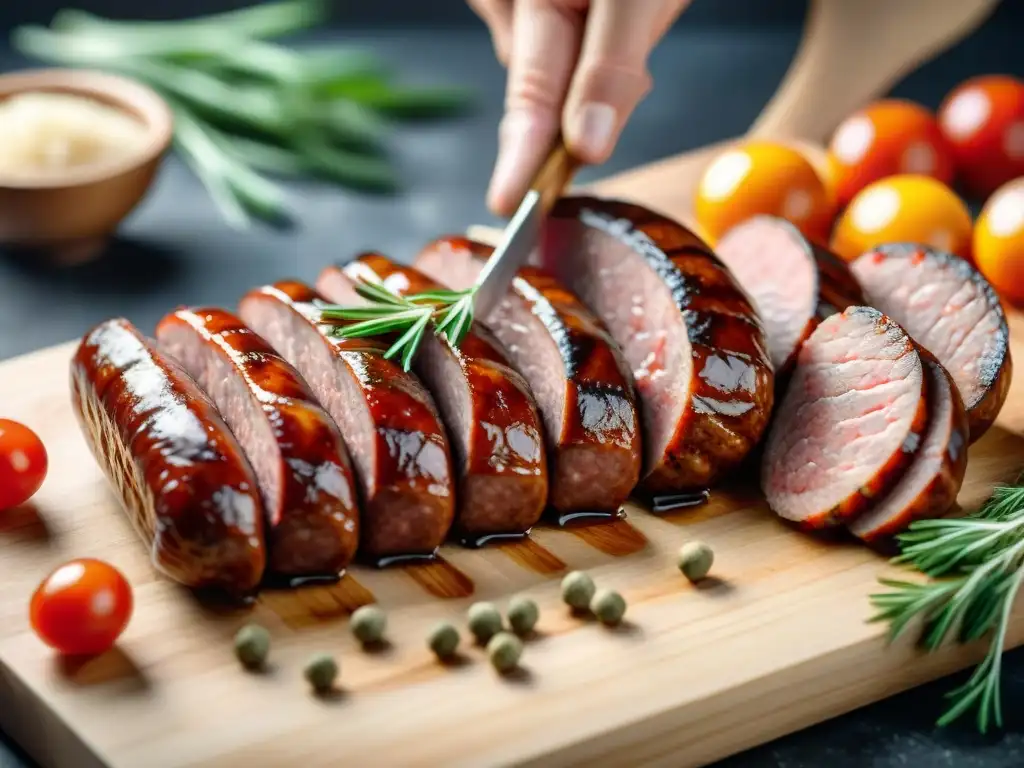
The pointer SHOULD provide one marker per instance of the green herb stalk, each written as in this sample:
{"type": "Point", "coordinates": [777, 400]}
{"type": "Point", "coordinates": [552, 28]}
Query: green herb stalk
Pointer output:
{"type": "Point", "coordinates": [449, 313]}
{"type": "Point", "coordinates": [976, 565]}
{"type": "Point", "coordinates": [246, 106]}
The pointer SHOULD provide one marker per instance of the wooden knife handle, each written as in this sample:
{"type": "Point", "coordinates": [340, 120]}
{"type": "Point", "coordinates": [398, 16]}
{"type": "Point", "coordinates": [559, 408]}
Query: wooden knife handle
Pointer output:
{"type": "Point", "coordinates": [555, 175]}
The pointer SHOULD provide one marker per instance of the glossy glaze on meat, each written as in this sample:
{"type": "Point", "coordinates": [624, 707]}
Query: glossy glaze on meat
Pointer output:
{"type": "Point", "coordinates": [689, 333]}
{"type": "Point", "coordinates": [179, 472]}
{"type": "Point", "coordinates": [295, 448]}
{"type": "Point", "coordinates": [389, 422]}
{"type": "Point", "coordinates": [583, 386]}
{"type": "Point", "coordinates": [492, 419]}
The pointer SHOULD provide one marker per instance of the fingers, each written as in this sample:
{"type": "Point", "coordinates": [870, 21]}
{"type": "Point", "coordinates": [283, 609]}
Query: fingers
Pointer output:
{"type": "Point", "coordinates": [497, 15]}
{"type": "Point", "coordinates": [545, 43]}
{"type": "Point", "coordinates": [611, 77]}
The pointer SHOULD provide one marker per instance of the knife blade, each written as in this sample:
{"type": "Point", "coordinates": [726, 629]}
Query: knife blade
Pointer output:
{"type": "Point", "coordinates": [517, 243]}
{"type": "Point", "coordinates": [522, 233]}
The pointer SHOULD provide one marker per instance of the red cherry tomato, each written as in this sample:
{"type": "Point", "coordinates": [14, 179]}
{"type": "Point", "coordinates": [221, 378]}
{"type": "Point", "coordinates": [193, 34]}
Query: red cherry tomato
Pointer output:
{"type": "Point", "coordinates": [82, 607]}
{"type": "Point", "coordinates": [983, 121]}
{"type": "Point", "coordinates": [23, 463]}
{"type": "Point", "coordinates": [887, 138]}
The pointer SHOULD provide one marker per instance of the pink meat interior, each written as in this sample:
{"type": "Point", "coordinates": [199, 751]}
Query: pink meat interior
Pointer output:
{"type": "Point", "coordinates": [848, 409]}
{"type": "Point", "coordinates": [620, 284]}
{"type": "Point", "coordinates": [525, 336]}
{"type": "Point", "coordinates": [777, 272]}
{"type": "Point", "coordinates": [929, 461]}
{"type": "Point", "coordinates": [946, 311]}
{"type": "Point", "coordinates": [435, 363]}
{"type": "Point", "coordinates": [219, 376]}
{"type": "Point", "coordinates": [302, 345]}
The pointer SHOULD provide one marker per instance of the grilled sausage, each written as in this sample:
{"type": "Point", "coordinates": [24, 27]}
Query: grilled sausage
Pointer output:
{"type": "Point", "coordinates": [793, 283]}
{"type": "Point", "coordinates": [490, 413]}
{"type": "Point", "coordinates": [295, 448]}
{"type": "Point", "coordinates": [583, 386]}
{"type": "Point", "coordinates": [390, 425]}
{"type": "Point", "coordinates": [950, 310]}
{"type": "Point", "coordinates": [689, 333]}
{"type": "Point", "coordinates": [850, 422]}
{"type": "Point", "coordinates": [930, 484]}
{"type": "Point", "coordinates": [179, 472]}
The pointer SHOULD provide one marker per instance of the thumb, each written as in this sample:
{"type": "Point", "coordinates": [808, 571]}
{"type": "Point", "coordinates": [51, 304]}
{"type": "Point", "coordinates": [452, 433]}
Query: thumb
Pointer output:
{"type": "Point", "coordinates": [611, 76]}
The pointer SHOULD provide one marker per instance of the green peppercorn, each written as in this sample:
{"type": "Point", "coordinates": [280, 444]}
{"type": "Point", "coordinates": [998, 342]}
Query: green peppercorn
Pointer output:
{"type": "Point", "coordinates": [577, 590]}
{"type": "Point", "coordinates": [484, 621]}
{"type": "Point", "coordinates": [252, 644]}
{"type": "Point", "coordinates": [443, 640]}
{"type": "Point", "coordinates": [695, 559]}
{"type": "Point", "coordinates": [321, 671]}
{"type": "Point", "coordinates": [504, 651]}
{"type": "Point", "coordinates": [522, 615]}
{"type": "Point", "coordinates": [368, 624]}
{"type": "Point", "coordinates": [608, 606]}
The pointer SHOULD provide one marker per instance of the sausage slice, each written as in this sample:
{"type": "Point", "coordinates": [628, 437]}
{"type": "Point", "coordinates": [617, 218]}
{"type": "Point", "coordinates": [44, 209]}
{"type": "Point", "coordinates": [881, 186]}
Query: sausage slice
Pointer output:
{"type": "Point", "coordinates": [296, 449]}
{"type": "Point", "coordinates": [489, 410]}
{"type": "Point", "coordinates": [950, 310]}
{"type": "Point", "coordinates": [583, 386]}
{"type": "Point", "coordinates": [793, 283]}
{"type": "Point", "coordinates": [179, 472]}
{"type": "Point", "coordinates": [929, 486]}
{"type": "Point", "coordinates": [689, 333]}
{"type": "Point", "coordinates": [390, 425]}
{"type": "Point", "coordinates": [850, 422]}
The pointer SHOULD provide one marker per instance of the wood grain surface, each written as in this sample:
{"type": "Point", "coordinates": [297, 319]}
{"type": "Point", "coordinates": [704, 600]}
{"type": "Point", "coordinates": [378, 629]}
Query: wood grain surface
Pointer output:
{"type": "Point", "coordinates": [775, 642]}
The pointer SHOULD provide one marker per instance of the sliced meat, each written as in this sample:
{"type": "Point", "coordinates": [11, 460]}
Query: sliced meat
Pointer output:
{"type": "Point", "coordinates": [950, 310]}
{"type": "Point", "coordinates": [793, 283]}
{"type": "Point", "coordinates": [929, 486]}
{"type": "Point", "coordinates": [689, 333]}
{"type": "Point", "coordinates": [390, 425]}
{"type": "Point", "coordinates": [583, 386]}
{"type": "Point", "coordinates": [296, 449]}
{"type": "Point", "coordinates": [851, 420]}
{"type": "Point", "coordinates": [491, 416]}
{"type": "Point", "coordinates": [179, 472]}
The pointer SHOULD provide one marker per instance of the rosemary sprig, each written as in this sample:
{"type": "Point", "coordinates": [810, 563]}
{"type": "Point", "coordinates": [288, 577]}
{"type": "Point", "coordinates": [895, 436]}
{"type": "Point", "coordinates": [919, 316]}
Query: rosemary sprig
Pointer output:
{"type": "Point", "coordinates": [386, 313]}
{"type": "Point", "coordinates": [976, 565]}
{"type": "Point", "coordinates": [246, 105]}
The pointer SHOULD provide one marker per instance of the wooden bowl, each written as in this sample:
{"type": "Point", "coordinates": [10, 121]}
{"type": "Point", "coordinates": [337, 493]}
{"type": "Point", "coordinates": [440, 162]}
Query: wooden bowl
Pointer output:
{"type": "Point", "coordinates": [72, 214]}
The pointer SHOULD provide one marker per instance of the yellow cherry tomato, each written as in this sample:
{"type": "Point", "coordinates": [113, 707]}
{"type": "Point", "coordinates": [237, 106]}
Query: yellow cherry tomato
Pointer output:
{"type": "Point", "coordinates": [763, 178]}
{"type": "Point", "coordinates": [907, 208]}
{"type": "Point", "coordinates": [999, 240]}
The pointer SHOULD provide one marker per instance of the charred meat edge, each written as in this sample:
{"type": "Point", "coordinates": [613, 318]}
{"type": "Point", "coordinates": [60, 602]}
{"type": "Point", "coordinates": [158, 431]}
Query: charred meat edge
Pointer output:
{"type": "Point", "coordinates": [388, 421]}
{"type": "Point", "coordinates": [582, 384]}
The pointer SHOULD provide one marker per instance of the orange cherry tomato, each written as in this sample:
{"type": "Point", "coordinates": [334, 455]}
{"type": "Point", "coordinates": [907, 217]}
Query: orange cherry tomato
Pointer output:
{"type": "Point", "coordinates": [983, 121]}
{"type": "Point", "coordinates": [82, 607]}
{"type": "Point", "coordinates": [23, 463]}
{"type": "Point", "coordinates": [999, 240]}
{"type": "Point", "coordinates": [915, 209]}
{"type": "Point", "coordinates": [887, 138]}
{"type": "Point", "coordinates": [762, 178]}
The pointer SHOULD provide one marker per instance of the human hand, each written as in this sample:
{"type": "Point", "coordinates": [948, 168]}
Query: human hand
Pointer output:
{"type": "Point", "coordinates": [578, 65]}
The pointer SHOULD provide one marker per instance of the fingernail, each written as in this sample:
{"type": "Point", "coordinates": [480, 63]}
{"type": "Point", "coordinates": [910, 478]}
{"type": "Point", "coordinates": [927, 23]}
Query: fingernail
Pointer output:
{"type": "Point", "coordinates": [594, 129]}
{"type": "Point", "coordinates": [510, 170]}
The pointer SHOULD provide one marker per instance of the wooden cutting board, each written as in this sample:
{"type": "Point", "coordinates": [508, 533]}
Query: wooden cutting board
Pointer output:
{"type": "Point", "coordinates": [778, 640]}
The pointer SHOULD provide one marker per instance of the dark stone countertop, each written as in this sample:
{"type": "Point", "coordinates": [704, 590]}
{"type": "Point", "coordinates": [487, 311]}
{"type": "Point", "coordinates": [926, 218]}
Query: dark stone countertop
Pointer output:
{"type": "Point", "coordinates": [710, 85]}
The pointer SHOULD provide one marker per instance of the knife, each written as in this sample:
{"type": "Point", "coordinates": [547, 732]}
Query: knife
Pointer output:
{"type": "Point", "coordinates": [522, 233]}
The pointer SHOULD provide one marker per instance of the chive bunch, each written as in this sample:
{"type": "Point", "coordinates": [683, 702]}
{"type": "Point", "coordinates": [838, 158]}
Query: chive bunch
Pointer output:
{"type": "Point", "coordinates": [247, 108]}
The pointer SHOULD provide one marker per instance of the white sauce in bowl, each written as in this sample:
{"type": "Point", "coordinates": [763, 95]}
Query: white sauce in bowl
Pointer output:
{"type": "Point", "coordinates": [45, 133]}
